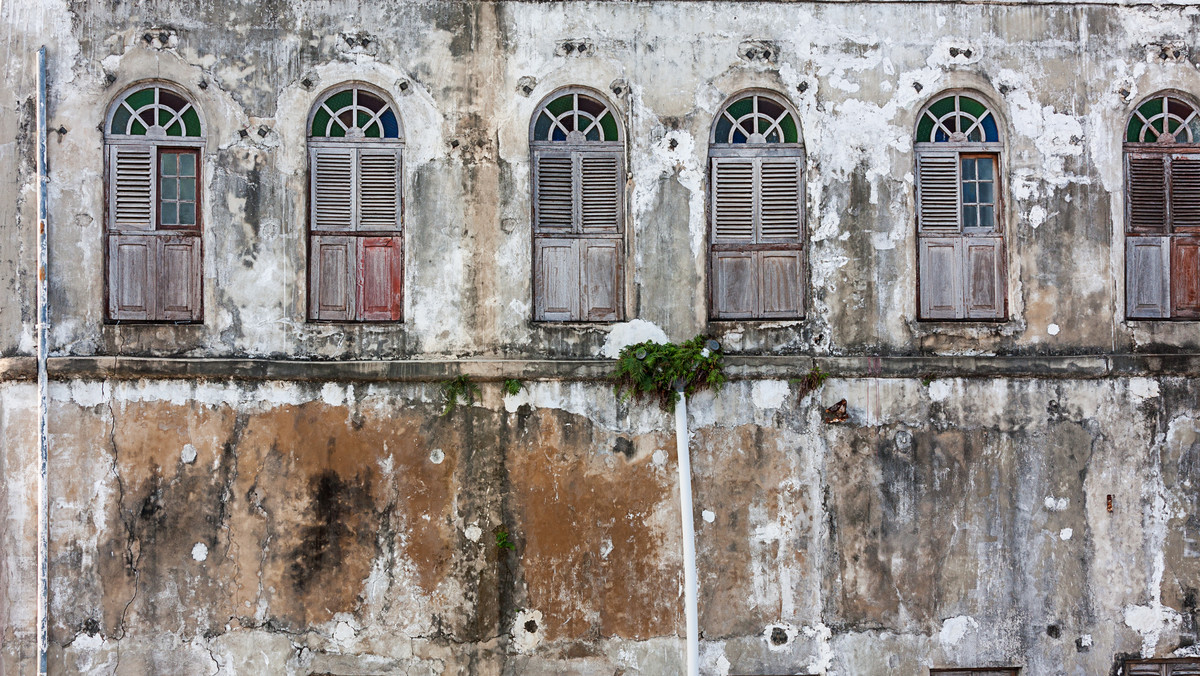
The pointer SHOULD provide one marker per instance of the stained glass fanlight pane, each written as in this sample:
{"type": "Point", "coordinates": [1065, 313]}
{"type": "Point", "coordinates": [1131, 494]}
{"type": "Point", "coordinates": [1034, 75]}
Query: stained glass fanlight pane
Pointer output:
{"type": "Point", "coordinates": [1164, 119]}
{"type": "Point", "coordinates": [956, 116]}
{"type": "Point", "coordinates": [575, 112]}
{"type": "Point", "coordinates": [354, 113]}
{"type": "Point", "coordinates": [756, 119]}
{"type": "Point", "coordinates": [155, 109]}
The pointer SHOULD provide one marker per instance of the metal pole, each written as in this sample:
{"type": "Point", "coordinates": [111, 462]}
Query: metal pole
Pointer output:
{"type": "Point", "coordinates": [43, 322]}
{"type": "Point", "coordinates": [689, 535]}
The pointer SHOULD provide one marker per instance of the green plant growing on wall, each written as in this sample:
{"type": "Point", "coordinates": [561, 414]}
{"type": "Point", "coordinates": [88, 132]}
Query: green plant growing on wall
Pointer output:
{"type": "Point", "coordinates": [811, 381]}
{"type": "Point", "coordinates": [512, 386]}
{"type": "Point", "coordinates": [925, 382]}
{"type": "Point", "coordinates": [502, 541]}
{"type": "Point", "coordinates": [457, 388]}
{"type": "Point", "coordinates": [652, 370]}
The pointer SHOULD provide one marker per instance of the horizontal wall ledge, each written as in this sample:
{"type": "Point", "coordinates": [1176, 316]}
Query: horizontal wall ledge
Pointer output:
{"type": "Point", "coordinates": [484, 370]}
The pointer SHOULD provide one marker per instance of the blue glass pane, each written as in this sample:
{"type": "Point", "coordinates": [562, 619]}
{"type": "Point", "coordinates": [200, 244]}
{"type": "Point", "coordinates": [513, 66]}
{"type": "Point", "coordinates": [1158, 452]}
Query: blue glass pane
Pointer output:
{"type": "Point", "coordinates": [391, 127]}
{"type": "Point", "coordinates": [987, 217]}
{"type": "Point", "coordinates": [167, 186]}
{"type": "Point", "coordinates": [940, 136]}
{"type": "Point", "coordinates": [169, 214]}
{"type": "Point", "coordinates": [968, 169]}
{"type": "Point", "coordinates": [738, 136]}
{"type": "Point", "coordinates": [985, 193]}
{"type": "Point", "coordinates": [559, 135]}
{"type": "Point", "coordinates": [541, 131]}
{"type": "Point", "coordinates": [969, 196]}
{"type": "Point", "coordinates": [990, 133]}
{"type": "Point", "coordinates": [970, 217]}
{"type": "Point", "coordinates": [985, 168]}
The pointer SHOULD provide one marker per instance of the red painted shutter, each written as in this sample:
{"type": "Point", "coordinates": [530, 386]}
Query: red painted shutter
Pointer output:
{"type": "Point", "coordinates": [734, 284]}
{"type": "Point", "coordinates": [1147, 280]}
{"type": "Point", "coordinates": [780, 198]}
{"type": "Point", "coordinates": [938, 193]}
{"type": "Point", "coordinates": [1185, 277]}
{"type": "Point", "coordinates": [1185, 193]}
{"type": "Point", "coordinates": [179, 277]}
{"type": "Point", "coordinates": [331, 266]}
{"type": "Point", "coordinates": [132, 277]}
{"type": "Point", "coordinates": [380, 278]}
{"type": "Point", "coordinates": [553, 187]}
{"type": "Point", "coordinates": [779, 284]}
{"type": "Point", "coordinates": [378, 189]}
{"type": "Point", "coordinates": [601, 264]}
{"type": "Point", "coordinates": [940, 270]}
{"type": "Point", "coordinates": [984, 284]}
{"type": "Point", "coordinates": [131, 188]}
{"type": "Point", "coordinates": [1146, 185]}
{"type": "Point", "coordinates": [556, 279]}
{"type": "Point", "coordinates": [600, 186]}
{"type": "Point", "coordinates": [332, 176]}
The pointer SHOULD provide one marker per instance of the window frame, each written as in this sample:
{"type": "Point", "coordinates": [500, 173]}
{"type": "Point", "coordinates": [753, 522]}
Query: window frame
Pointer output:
{"type": "Point", "coordinates": [978, 671]}
{"type": "Point", "coordinates": [1163, 665]}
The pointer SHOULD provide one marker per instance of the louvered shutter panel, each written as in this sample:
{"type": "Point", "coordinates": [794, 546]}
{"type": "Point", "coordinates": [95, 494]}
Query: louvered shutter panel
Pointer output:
{"type": "Point", "coordinates": [1147, 281]}
{"type": "Point", "coordinates": [1189, 668]}
{"type": "Point", "coordinates": [983, 286]}
{"type": "Point", "coordinates": [1143, 669]}
{"type": "Point", "coordinates": [553, 186]}
{"type": "Point", "coordinates": [600, 192]}
{"type": "Point", "coordinates": [938, 192]}
{"type": "Point", "coordinates": [734, 285]}
{"type": "Point", "coordinates": [332, 174]}
{"type": "Point", "coordinates": [380, 278]}
{"type": "Point", "coordinates": [131, 188]}
{"type": "Point", "coordinates": [733, 200]}
{"type": "Point", "coordinates": [179, 277]}
{"type": "Point", "coordinates": [779, 284]}
{"type": "Point", "coordinates": [378, 189]}
{"type": "Point", "coordinates": [332, 264]}
{"type": "Point", "coordinates": [779, 200]}
{"type": "Point", "coordinates": [132, 277]}
{"type": "Point", "coordinates": [1185, 193]}
{"type": "Point", "coordinates": [1185, 277]}
{"type": "Point", "coordinates": [600, 260]}
{"type": "Point", "coordinates": [1146, 181]}
{"type": "Point", "coordinates": [940, 270]}
{"type": "Point", "coordinates": [556, 279]}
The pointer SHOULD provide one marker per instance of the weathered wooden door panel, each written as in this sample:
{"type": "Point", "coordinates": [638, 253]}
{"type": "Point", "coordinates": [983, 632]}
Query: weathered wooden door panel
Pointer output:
{"type": "Point", "coordinates": [1147, 281]}
{"type": "Point", "coordinates": [556, 279]}
{"type": "Point", "coordinates": [179, 275]}
{"type": "Point", "coordinates": [940, 270]}
{"type": "Point", "coordinates": [779, 276]}
{"type": "Point", "coordinates": [734, 284]}
{"type": "Point", "coordinates": [132, 277]}
{"type": "Point", "coordinates": [380, 278]}
{"type": "Point", "coordinates": [332, 278]}
{"type": "Point", "coordinates": [1185, 277]}
{"type": "Point", "coordinates": [984, 280]}
{"type": "Point", "coordinates": [601, 262]}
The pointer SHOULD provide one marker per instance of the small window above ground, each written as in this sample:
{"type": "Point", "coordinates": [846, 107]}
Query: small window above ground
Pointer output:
{"type": "Point", "coordinates": [1189, 666]}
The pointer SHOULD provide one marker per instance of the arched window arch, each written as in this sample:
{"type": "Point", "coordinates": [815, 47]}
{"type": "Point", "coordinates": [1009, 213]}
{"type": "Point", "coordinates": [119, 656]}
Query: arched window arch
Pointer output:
{"type": "Point", "coordinates": [578, 160]}
{"type": "Point", "coordinates": [356, 206]}
{"type": "Point", "coordinates": [756, 169]}
{"type": "Point", "coordinates": [1162, 209]}
{"type": "Point", "coordinates": [960, 258]}
{"type": "Point", "coordinates": [153, 135]}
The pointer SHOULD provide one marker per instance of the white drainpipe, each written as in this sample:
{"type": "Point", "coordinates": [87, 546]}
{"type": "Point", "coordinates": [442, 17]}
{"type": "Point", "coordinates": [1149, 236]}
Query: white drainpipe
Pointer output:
{"type": "Point", "coordinates": [689, 535]}
{"type": "Point", "coordinates": [43, 323]}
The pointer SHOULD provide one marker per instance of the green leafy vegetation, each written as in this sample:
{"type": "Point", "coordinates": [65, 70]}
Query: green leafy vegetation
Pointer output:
{"type": "Point", "coordinates": [502, 541]}
{"type": "Point", "coordinates": [455, 389]}
{"type": "Point", "coordinates": [652, 370]}
{"type": "Point", "coordinates": [512, 386]}
{"type": "Point", "coordinates": [811, 381]}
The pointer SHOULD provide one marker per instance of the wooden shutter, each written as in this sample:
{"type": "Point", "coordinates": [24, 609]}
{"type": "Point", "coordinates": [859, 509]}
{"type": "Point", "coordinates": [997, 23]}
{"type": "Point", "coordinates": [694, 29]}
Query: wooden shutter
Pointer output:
{"type": "Point", "coordinates": [984, 285]}
{"type": "Point", "coordinates": [1185, 193]}
{"type": "Point", "coordinates": [378, 189]}
{"type": "Point", "coordinates": [779, 274]}
{"type": "Point", "coordinates": [331, 270]}
{"type": "Point", "coordinates": [556, 279]}
{"type": "Point", "coordinates": [380, 278]}
{"type": "Point", "coordinates": [1185, 277]}
{"type": "Point", "coordinates": [1188, 668]}
{"type": "Point", "coordinates": [132, 277]}
{"type": "Point", "coordinates": [779, 200]}
{"type": "Point", "coordinates": [938, 192]}
{"type": "Point", "coordinates": [179, 277]}
{"type": "Point", "coordinates": [333, 182]}
{"type": "Point", "coordinates": [600, 192]}
{"type": "Point", "coordinates": [940, 270]}
{"type": "Point", "coordinates": [600, 261]}
{"type": "Point", "coordinates": [734, 284]}
{"type": "Point", "coordinates": [733, 200]}
{"type": "Point", "coordinates": [1144, 669]}
{"type": "Point", "coordinates": [553, 200]}
{"type": "Point", "coordinates": [131, 188]}
{"type": "Point", "coordinates": [1147, 281]}
{"type": "Point", "coordinates": [1146, 186]}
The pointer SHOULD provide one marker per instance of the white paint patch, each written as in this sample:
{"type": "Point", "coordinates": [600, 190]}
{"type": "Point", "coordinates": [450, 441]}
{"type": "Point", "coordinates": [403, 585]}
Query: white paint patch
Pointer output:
{"type": "Point", "coordinates": [955, 628]}
{"type": "Point", "coordinates": [436, 456]}
{"type": "Point", "coordinates": [1052, 329]}
{"type": "Point", "coordinates": [343, 632]}
{"type": "Point", "coordinates": [769, 393]}
{"type": "Point", "coordinates": [473, 532]}
{"type": "Point", "coordinates": [1085, 641]}
{"type": "Point", "coordinates": [200, 551]}
{"type": "Point", "coordinates": [1037, 216]}
{"type": "Point", "coordinates": [939, 390]}
{"type": "Point", "coordinates": [1056, 504]}
{"type": "Point", "coordinates": [708, 516]}
{"type": "Point", "coordinates": [524, 640]}
{"type": "Point", "coordinates": [333, 394]}
{"type": "Point", "coordinates": [1143, 388]}
{"type": "Point", "coordinates": [1065, 534]}
{"type": "Point", "coordinates": [189, 454]}
{"type": "Point", "coordinates": [823, 660]}
{"type": "Point", "coordinates": [631, 333]}
{"type": "Point", "coordinates": [659, 458]}
{"type": "Point", "coordinates": [606, 547]}
{"type": "Point", "coordinates": [1150, 621]}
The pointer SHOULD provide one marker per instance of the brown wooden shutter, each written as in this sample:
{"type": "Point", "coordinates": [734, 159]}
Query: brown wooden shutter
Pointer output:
{"type": "Point", "coordinates": [940, 270]}
{"type": "Point", "coordinates": [600, 261]}
{"type": "Point", "coordinates": [938, 192]}
{"type": "Point", "coordinates": [1185, 277]}
{"type": "Point", "coordinates": [600, 192]}
{"type": "Point", "coordinates": [332, 265]}
{"type": "Point", "coordinates": [733, 200]}
{"type": "Point", "coordinates": [131, 188]}
{"type": "Point", "coordinates": [333, 188]}
{"type": "Point", "coordinates": [553, 186]}
{"type": "Point", "coordinates": [1147, 281]}
{"type": "Point", "coordinates": [179, 277]}
{"type": "Point", "coordinates": [779, 200]}
{"type": "Point", "coordinates": [1185, 193]}
{"type": "Point", "coordinates": [556, 279]}
{"type": "Point", "coordinates": [378, 189]}
{"type": "Point", "coordinates": [779, 274]}
{"type": "Point", "coordinates": [983, 285]}
{"type": "Point", "coordinates": [1143, 669]}
{"type": "Point", "coordinates": [734, 284]}
{"type": "Point", "coordinates": [132, 277]}
{"type": "Point", "coordinates": [1146, 185]}
{"type": "Point", "coordinates": [1188, 668]}
{"type": "Point", "coordinates": [380, 278]}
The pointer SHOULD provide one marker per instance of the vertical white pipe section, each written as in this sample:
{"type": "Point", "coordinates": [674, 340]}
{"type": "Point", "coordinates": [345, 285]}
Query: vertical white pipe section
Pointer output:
{"type": "Point", "coordinates": [43, 553]}
{"type": "Point", "coordinates": [689, 536]}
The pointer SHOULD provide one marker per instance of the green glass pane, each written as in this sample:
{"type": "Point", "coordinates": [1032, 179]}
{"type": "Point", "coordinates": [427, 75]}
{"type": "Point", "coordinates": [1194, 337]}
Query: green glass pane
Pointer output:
{"type": "Point", "coordinates": [363, 119]}
{"type": "Point", "coordinates": [164, 117]}
{"type": "Point", "coordinates": [609, 123]}
{"type": "Point", "coordinates": [187, 213]}
{"type": "Point", "coordinates": [1134, 131]}
{"type": "Point", "coordinates": [942, 107]}
{"type": "Point", "coordinates": [120, 121]}
{"type": "Point", "coordinates": [743, 107]}
{"type": "Point", "coordinates": [170, 164]}
{"type": "Point", "coordinates": [191, 122]}
{"type": "Point", "coordinates": [1172, 124]}
{"type": "Point", "coordinates": [561, 105]}
{"type": "Point", "coordinates": [1151, 108]}
{"type": "Point", "coordinates": [971, 107]}
{"type": "Point", "coordinates": [168, 188]}
{"type": "Point", "coordinates": [142, 97]}
{"type": "Point", "coordinates": [373, 131]}
{"type": "Point", "coordinates": [340, 100]}
{"type": "Point", "coordinates": [170, 215]}
{"type": "Point", "coordinates": [925, 129]}
{"type": "Point", "coordinates": [138, 129]}
{"type": "Point", "coordinates": [175, 130]}
{"type": "Point", "coordinates": [187, 189]}
{"type": "Point", "coordinates": [1158, 126]}
{"type": "Point", "coordinates": [790, 133]}
{"type": "Point", "coordinates": [763, 125]}
{"type": "Point", "coordinates": [337, 131]}
{"type": "Point", "coordinates": [187, 164]}
{"type": "Point", "coordinates": [320, 122]}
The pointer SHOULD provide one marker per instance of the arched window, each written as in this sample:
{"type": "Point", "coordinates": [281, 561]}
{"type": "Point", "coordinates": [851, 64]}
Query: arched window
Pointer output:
{"type": "Point", "coordinates": [960, 258]}
{"type": "Point", "coordinates": [756, 168]}
{"type": "Point", "coordinates": [1162, 210]}
{"type": "Point", "coordinates": [578, 208]}
{"type": "Point", "coordinates": [152, 141]}
{"type": "Point", "coordinates": [355, 169]}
